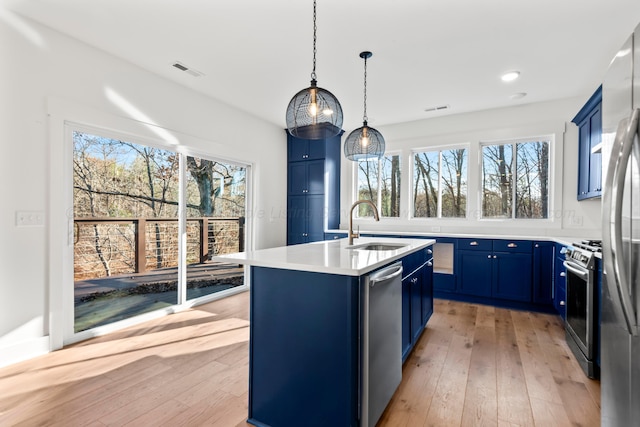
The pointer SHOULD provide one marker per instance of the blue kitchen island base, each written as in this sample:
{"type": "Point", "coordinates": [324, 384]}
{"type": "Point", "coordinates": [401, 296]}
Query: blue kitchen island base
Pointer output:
{"type": "Point", "coordinates": [303, 349]}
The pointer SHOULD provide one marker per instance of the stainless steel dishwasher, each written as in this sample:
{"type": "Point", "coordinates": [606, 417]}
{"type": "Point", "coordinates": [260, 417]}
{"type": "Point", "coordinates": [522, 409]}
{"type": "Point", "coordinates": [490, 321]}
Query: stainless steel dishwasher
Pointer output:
{"type": "Point", "coordinates": [381, 341]}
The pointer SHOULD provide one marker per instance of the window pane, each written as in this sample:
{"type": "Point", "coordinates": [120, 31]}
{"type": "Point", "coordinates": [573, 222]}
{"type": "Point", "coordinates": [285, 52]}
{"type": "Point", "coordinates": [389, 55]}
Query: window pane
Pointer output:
{"type": "Point", "coordinates": [215, 225]}
{"type": "Point", "coordinates": [125, 202]}
{"type": "Point", "coordinates": [532, 192]}
{"type": "Point", "coordinates": [390, 181]}
{"type": "Point", "coordinates": [367, 185]}
{"type": "Point", "coordinates": [425, 189]}
{"type": "Point", "coordinates": [454, 183]}
{"type": "Point", "coordinates": [497, 185]}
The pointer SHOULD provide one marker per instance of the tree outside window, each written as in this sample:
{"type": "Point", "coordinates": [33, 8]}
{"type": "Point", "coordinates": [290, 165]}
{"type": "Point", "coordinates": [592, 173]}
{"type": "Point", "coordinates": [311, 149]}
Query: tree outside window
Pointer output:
{"type": "Point", "coordinates": [440, 184]}
{"type": "Point", "coordinates": [379, 181]}
{"type": "Point", "coordinates": [515, 180]}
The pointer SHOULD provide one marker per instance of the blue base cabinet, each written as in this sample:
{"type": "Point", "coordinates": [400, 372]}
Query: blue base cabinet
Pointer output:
{"type": "Point", "coordinates": [543, 263]}
{"type": "Point", "coordinates": [303, 349]}
{"type": "Point", "coordinates": [560, 282]}
{"type": "Point", "coordinates": [304, 343]}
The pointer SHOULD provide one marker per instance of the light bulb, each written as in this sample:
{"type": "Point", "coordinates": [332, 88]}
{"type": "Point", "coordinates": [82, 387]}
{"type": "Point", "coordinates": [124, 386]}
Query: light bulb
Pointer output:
{"type": "Point", "coordinates": [327, 111]}
{"type": "Point", "coordinates": [313, 107]}
{"type": "Point", "coordinates": [365, 138]}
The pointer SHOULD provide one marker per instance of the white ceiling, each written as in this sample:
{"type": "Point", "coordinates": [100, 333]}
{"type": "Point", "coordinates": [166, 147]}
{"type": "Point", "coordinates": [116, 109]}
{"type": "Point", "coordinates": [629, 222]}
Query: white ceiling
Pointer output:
{"type": "Point", "coordinates": [256, 54]}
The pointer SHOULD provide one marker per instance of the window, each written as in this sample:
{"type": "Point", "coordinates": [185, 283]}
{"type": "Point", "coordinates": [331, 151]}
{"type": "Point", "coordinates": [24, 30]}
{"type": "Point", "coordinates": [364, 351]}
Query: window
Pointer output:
{"type": "Point", "coordinates": [440, 184]}
{"type": "Point", "coordinates": [528, 163]}
{"type": "Point", "coordinates": [380, 182]}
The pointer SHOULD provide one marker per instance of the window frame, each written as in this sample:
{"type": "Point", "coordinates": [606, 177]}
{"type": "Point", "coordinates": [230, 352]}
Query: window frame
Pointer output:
{"type": "Point", "coordinates": [549, 138]}
{"type": "Point", "coordinates": [378, 201]}
{"type": "Point", "coordinates": [439, 148]}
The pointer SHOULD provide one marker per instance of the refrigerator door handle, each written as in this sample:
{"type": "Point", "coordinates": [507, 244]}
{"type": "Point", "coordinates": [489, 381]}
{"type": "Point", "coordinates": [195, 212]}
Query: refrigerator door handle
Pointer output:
{"type": "Point", "coordinates": [617, 280]}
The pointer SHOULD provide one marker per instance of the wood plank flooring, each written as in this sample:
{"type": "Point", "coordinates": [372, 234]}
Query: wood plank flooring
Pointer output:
{"type": "Point", "coordinates": [473, 366]}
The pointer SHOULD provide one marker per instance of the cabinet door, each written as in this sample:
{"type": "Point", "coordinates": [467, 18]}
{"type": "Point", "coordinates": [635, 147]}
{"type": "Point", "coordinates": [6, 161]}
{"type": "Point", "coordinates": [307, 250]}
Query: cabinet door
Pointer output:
{"type": "Point", "coordinates": [315, 217]}
{"type": "Point", "coordinates": [595, 159]}
{"type": "Point", "coordinates": [475, 273]}
{"type": "Point", "coordinates": [584, 141]}
{"type": "Point", "coordinates": [306, 177]}
{"type": "Point", "coordinates": [560, 286]}
{"type": "Point", "coordinates": [297, 178]}
{"type": "Point", "coordinates": [406, 318]}
{"type": "Point", "coordinates": [415, 281]}
{"type": "Point", "coordinates": [315, 177]}
{"type": "Point", "coordinates": [296, 220]}
{"type": "Point", "coordinates": [304, 149]}
{"type": "Point", "coordinates": [427, 291]}
{"type": "Point", "coordinates": [512, 276]}
{"type": "Point", "coordinates": [543, 259]}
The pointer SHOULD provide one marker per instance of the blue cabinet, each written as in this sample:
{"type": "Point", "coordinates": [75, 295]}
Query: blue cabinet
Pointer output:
{"type": "Point", "coordinates": [589, 122]}
{"type": "Point", "coordinates": [543, 259]}
{"type": "Point", "coordinates": [417, 297]}
{"type": "Point", "coordinates": [495, 269]}
{"type": "Point", "coordinates": [475, 273]}
{"type": "Point", "coordinates": [560, 282]}
{"type": "Point", "coordinates": [313, 188]}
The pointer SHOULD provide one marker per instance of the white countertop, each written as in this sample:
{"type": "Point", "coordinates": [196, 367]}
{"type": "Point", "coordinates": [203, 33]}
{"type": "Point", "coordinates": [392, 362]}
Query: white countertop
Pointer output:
{"type": "Point", "coordinates": [331, 256]}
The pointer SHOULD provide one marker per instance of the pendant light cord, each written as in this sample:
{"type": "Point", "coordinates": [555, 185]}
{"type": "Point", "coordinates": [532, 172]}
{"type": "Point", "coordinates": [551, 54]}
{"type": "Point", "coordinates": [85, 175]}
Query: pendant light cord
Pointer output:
{"type": "Point", "coordinates": [364, 118]}
{"type": "Point", "coordinates": [315, 29]}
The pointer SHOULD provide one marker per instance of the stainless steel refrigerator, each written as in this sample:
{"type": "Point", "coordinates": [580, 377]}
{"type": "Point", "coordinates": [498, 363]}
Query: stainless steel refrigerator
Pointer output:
{"type": "Point", "coordinates": [620, 298]}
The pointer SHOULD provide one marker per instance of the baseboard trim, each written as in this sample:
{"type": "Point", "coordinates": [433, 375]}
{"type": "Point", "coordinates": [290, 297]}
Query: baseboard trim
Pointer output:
{"type": "Point", "coordinates": [25, 350]}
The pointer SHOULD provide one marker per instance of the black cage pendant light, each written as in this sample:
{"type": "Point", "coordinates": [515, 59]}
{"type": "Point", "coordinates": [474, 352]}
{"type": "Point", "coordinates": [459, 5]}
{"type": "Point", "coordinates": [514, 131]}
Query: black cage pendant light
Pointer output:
{"type": "Point", "coordinates": [364, 143]}
{"type": "Point", "coordinates": [314, 113]}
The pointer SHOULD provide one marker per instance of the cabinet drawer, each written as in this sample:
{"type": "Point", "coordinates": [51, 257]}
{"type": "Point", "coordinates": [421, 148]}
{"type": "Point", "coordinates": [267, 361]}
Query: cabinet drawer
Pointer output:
{"type": "Point", "coordinates": [475, 244]}
{"type": "Point", "coordinates": [512, 246]}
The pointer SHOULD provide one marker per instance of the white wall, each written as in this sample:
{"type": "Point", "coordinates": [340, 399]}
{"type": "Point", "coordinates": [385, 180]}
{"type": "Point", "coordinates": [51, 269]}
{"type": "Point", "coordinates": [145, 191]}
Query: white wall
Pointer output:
{"type": "Point", "coordinates": [569, 217]}
{"type": "Point", "coordinates": [46, 78]}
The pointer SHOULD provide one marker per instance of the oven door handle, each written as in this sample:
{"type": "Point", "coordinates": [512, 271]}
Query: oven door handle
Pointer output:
{"type": "Point", "coordinates": [617, 280]}
{"type": "Point", "coordinates": [578, 272]}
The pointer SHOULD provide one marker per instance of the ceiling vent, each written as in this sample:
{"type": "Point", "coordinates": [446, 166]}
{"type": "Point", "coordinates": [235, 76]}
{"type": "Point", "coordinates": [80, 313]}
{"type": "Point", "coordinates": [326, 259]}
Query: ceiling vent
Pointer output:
{"type": "Point", "coordinates": [180, 66]}
{"type": "Point", "coordinates": [438, 108]}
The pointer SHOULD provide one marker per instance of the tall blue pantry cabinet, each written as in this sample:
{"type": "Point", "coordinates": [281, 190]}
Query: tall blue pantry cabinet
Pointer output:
{"type": "Point", "coordinates": [313, 188]}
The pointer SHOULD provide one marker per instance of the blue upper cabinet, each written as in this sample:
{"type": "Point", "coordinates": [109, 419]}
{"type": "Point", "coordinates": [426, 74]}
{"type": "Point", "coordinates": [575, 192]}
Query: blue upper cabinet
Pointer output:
{"type": "Point", "coordinates": [589, 122]}
{"type": "Point", "coordinates": [313, 188]}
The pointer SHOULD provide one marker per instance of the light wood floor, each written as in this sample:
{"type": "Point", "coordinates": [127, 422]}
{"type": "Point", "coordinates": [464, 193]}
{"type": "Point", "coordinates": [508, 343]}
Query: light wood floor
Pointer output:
{"type": "Point", "coordinates": [474, 366]}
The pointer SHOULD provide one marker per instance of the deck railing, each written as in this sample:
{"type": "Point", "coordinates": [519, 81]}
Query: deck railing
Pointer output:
{"type": "Point", "coordinates": [108, 246]}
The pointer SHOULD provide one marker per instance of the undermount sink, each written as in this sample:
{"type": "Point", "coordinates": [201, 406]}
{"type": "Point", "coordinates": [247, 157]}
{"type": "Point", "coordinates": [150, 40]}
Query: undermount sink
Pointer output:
{"type": "Point", "coordinates": [376, 246]}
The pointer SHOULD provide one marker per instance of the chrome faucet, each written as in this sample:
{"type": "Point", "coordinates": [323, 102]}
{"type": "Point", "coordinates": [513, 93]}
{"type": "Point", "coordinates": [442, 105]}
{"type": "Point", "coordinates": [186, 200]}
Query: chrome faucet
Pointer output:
{"type": "Point", "coordinates": [353, 235]}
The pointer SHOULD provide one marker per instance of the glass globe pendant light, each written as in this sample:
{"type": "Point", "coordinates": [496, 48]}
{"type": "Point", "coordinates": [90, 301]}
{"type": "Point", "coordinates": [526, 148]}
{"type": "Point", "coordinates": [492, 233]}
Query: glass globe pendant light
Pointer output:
{"type": "Point", "coordinates": [314, 113]}
{"type": "Point", "coordinates": [364, 143]}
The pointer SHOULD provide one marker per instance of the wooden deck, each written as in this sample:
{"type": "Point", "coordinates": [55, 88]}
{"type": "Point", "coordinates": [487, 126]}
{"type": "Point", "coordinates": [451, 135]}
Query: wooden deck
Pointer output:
{"type": "Point", "coordinates": [209, 273]}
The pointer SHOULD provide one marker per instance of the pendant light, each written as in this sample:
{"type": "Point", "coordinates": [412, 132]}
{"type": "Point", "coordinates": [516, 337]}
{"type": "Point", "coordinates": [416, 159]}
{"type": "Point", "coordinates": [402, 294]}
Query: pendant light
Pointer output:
{"type": "Point", "coordinates": [314, 113]}
{"type": "Point", "coordinates": [364, 143]}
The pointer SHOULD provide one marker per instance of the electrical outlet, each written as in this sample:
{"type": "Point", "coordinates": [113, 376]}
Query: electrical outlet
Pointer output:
{"type": "Point", "coordinates": [29, 218]}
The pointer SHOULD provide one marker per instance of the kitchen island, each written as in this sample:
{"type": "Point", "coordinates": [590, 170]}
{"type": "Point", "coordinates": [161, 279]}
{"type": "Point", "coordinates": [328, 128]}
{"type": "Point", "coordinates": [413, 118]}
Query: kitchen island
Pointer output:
{"type": "Point", "coordinates": [307, 361]}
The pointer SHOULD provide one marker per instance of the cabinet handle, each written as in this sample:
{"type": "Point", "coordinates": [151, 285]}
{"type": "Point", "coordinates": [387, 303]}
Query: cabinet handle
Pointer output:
{"type": "Point", "coordinates": [336, 237]}
{"type": "Point", "coordinates": [474, 243]}
{"type": "Point", "coordinates": [489, 256]}
{"type": "Point", "coordinates": [561, 302]}
{"type": "Point", "coordinates": [495, 256]}
{"type": "Point", "coordinates": [414, 280]}
{"type": "Point", "coordinates": [429, 251]}
{"type": "Point", "coordinates": [563, 274]}
{"type": "Point", "coordinates": [512, 245]}
{"type": "Point", "coordinates": [429, 264]}
{"type": "Point", "coordinates": [537, 245]}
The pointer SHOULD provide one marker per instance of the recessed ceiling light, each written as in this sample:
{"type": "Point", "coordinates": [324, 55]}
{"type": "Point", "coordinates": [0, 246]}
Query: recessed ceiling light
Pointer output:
{"type": "Point", "coordinates": [518, 95]}
{"type": "Point", "coordinates": [510, 76]}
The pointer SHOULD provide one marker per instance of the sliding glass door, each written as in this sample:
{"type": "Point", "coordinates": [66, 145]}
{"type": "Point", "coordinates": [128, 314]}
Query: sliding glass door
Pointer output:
{"type": "Point", "coordinates": [133, 205]}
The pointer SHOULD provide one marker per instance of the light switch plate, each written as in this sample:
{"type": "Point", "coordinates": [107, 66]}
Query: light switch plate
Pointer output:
{"type": "Point", "coordinates": [29, 218]}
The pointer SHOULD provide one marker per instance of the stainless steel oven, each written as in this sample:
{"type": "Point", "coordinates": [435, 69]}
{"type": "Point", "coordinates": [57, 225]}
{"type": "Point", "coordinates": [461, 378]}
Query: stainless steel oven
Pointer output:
{"type": "Point", "coordinates": [582, 307]}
